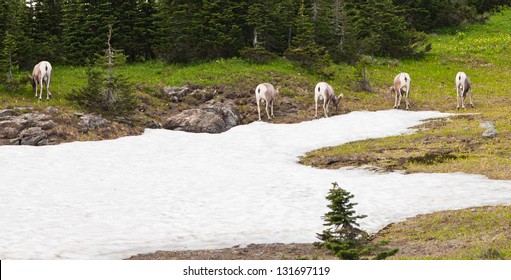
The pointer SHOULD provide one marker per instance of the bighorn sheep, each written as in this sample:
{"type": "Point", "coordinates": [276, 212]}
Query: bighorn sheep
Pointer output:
{"type": "Point", "coordinates": [265, 92]}
{"type": "Point", "coordinates": [325, 92]}
{"type": "Point", "coordinates": [41, 74]}
{"type": "Point", "coordinates": [463, 88]}
{"type": "Point", "coordinates": [401, 86]}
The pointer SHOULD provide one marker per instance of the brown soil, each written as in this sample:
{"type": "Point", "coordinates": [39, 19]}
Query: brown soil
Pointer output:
{"type": "Point", "coordinates": [275, 251]}
{"type": "Point", "coordinates": [415, 239]}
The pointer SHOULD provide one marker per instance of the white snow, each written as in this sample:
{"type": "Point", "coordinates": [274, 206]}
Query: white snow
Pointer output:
{"type": "Point", "coordinates": [176, 190]}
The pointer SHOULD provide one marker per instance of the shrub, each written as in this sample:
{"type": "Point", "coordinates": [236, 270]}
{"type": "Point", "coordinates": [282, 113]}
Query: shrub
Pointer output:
{"type": "Point", "coordinates": [343, 237]}
{"type": "Point", "coordinates": [311, 57]}
{"type": "Point", "coordinates": [106, 92]}
{"type": "Point", "coordinates": [106, 96]}
{"type": "Point", "coordinates": [257, 55]}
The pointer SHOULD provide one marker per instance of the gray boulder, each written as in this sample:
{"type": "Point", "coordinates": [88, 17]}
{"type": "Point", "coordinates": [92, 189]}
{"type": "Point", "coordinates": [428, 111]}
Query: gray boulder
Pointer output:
{"type": "Point", "coordinates": [176, 94]}
{"type": "Point", "coordinates": [7, 113]}
{"type": "Point", "coordinates": [91, 122]}
{"type": "Point", "coordinates": [34, 136]}
{"type": "Point", "coordinates": [211, 117]}
{"type": "Point", "coordinates": [487, 125]}
{"type": "Point", "coordinates": [490, 133]}
{"type": "Point", "coordinates": [20, 128]}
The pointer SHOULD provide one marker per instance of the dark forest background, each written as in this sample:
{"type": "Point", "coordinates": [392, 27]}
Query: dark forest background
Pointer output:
{"type": "Point", "coordinates": [74, 32]}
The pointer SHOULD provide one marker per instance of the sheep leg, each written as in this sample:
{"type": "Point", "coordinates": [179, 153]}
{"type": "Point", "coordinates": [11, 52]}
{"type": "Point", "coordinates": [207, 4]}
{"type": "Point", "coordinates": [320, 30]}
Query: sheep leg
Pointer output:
{"type": "Point", "coordinates": [269, 118]}
{"type": "Point", "coordinates": [399, 96]}
{"type": "Point", "coordinates": [316, 102]}
{"type": "Point", "coordinates": [325, 107]}
{"type": "Point", "coordinates": [407, 100]}
{"type": "Point", "coordinates": [463, 100]}
{"type": "Point", "coordinates": [41, 92]}
{"type": "Point", "coordinates": [48, 93]}
{"type": "Point", "coordinates": [258, 109]}
{"type": "Point", "coordinates": [471, 103]}
{"type": "Point", "coordinates": [272, 109]}
{"type": "Point", "coordinates": [457, 98]}
{"type": "Point", "coordinates": [395, 102]}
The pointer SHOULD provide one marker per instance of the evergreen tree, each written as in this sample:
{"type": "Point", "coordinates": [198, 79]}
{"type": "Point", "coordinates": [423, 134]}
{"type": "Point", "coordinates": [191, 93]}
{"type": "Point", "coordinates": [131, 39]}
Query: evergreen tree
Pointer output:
{"type": "Point", "coordinates": [98, 16]}
{"type": "Point", "coordinates": [380, 30]}
{"type": "Point", "coordinates": [126, 15]}
{"type": "Point", "coordinates": [304, 28]}
{"type": "Point", "coordinates": [74, 32]}
{"type": "Point", "coordinates": [46, 29]}
{"type": "Point", "coordinates": [258, 21]}
{"type": "Point", "coordinates": [220, 28]}
{"type": "Point", "coordinates": [106, 92]}
{"type": "Point", "coordinates": [12, 38]}
{"type": "Point", "coordinates": [343, 236]}
{"type": "Point", "coordinates": [178, 32]}
{"type": "Point", "coordinates": [145, 29]}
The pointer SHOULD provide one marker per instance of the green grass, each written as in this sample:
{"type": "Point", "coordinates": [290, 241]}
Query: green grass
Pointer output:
{"type": "Point", "coordinates": [475, 233]}
{"type": "Point", "coordinates": [483, 51]}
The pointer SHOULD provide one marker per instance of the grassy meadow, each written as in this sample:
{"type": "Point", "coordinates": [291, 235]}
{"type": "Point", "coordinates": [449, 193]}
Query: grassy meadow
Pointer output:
{"type": "Point", "coordinates": [454, 144]}
{"type": "Point", "coordinates": [483, 51]}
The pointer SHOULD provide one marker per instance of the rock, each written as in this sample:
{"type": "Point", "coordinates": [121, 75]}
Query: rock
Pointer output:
{"type": "Point", "coordinates": [7, 113]}
{"type": "Point", "coordinates": [211, 117]}
{"type": "Point", "coordinates": [91, 122]}
{"type": "Point", "coordinates": [8, 132]}
{"type": "Point", "coordinates": [196, 120]}
{"type": "Point", "coordinates": [490, 133]}
{"type": "Point", "coordinates": [47, 125]}
{"type": "Point", "coordinates": [176, 94]}
{"type": "Point", "coordinates": [52, 110]}
{"type": "Point", "coordinates": [487, 125]}
{"type": "Point", "coordinates": [152, 124]}
{"type": "Point", "coordinates": [227, 111]}
{"type": "Point", "coordinates": [24, 129]}
{"type": "Point", "coordinates": [33, 136]}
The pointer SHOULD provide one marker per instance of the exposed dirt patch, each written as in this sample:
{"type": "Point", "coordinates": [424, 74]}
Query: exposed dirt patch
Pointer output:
{"type": "Point", "coordinates": [472, 233]}
{"type": "Point", "coordinates": [275, 251]}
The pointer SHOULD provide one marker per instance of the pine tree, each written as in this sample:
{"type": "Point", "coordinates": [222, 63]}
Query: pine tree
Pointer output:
{"type": "Point", "coordinates": [343, 236]}
{"type": "Point", "coordinates": [304, 28]}
{"type": "Point", "coordinates": [98, 16]}
{"type": "Point", "coordinates": [74, 32]}
{"type": "Point", "coordinates": [145, 29]}
{"type": "Point", "coordinates": [220, 28]}
{"type": "Point", "coordinates": [13, 39]}
{"type": "Point", "coordinates": [106, 92]}
{"type": "Point", "coordinates": [125, 13]}
{"type": "Point", "coordinates": [46, 29]}
{"type": "Point", "coordinates": [178, 30]}
{"type": "Point", "coordinates": [257, 19]}
{"type": "Point", "coordinates": [380, 30]}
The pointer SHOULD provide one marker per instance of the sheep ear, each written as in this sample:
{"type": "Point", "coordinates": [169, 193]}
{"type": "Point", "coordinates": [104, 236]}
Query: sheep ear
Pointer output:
{"type": "Point", "coordinates": [341, 95]}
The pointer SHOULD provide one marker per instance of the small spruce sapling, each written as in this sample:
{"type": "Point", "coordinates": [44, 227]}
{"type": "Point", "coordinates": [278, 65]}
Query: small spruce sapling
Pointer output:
{"type": "Point", "coordinates": [106, 92]}
{"type": "Point", "coordinates": [343, 237]}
